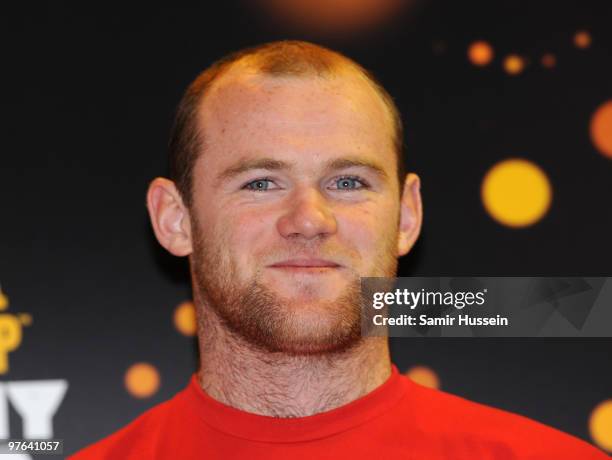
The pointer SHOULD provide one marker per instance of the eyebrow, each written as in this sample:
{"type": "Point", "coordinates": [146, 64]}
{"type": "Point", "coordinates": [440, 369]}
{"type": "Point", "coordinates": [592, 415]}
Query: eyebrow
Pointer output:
{"type": "Point", "coordinates": [270, 164]}
{"type": "Point", "coordinates": [242, 166]}
{"type": "Point", "coordinates": [352, 162]}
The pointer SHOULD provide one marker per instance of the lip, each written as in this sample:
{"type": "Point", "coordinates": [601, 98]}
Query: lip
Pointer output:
{"type": "Point", "coordinates": [305, 263]}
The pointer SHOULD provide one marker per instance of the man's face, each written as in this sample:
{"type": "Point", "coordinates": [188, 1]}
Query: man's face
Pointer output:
{"type": "Point", "coordinates": [295, 198]}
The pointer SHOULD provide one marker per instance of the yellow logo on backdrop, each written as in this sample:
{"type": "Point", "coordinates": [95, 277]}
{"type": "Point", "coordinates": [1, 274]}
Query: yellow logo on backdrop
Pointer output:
{"type": "Point", "coordinates": [10, 331]}
{"type": "Point", "coordinates": [36, 401]}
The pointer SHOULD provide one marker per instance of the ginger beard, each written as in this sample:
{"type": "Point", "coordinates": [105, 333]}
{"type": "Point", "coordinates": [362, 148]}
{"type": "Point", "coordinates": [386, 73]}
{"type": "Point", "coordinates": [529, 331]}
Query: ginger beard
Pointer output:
{"type": "Point", "coordinates": [270, 322]}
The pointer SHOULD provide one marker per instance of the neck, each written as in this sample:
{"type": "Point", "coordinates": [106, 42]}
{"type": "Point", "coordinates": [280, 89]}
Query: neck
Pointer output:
{"type": "Point", "coordinates": [242, 376]}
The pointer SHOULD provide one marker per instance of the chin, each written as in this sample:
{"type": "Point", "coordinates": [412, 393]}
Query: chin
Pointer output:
{"type": "Point", "coordinates": [314, 328]}
{"type": "Point", "coordinates": [318, 345]}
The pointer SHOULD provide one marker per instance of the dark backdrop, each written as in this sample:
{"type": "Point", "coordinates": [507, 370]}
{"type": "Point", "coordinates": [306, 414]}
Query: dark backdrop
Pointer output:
{"type": "Point", "coordinates": [88, 95]}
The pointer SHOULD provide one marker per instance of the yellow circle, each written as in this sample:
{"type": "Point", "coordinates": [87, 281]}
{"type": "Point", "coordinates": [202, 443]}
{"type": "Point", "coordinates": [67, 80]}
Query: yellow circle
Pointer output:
{"type": "Point", "coordinates": [185, 319]}
{"type": "Point", "coordinates": [423, 375]}
{"type": "Point", "coordinates": [480, 53]}
{"type": "Point", "coordinates": [601, 128]}
{"type": "Point", "coordinates": [514, 64]}
{"type": "Point", "coordinates": [516, 192]}
{"type": "Point", "coordinates": [582, 39]}
{"type": "Point", "coordinates": [600, 425]}
{"type": "Point", "coordinates": [142, 380]}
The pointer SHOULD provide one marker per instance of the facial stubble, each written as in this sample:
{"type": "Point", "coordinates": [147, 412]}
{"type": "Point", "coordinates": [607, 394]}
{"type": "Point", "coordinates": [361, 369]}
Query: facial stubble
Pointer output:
{"type": "Point", "coordinates": [254, 313]}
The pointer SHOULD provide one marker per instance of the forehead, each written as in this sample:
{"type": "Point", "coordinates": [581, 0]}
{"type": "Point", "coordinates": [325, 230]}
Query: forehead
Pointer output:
{"type": "Point", "coordinates": [244, 112]}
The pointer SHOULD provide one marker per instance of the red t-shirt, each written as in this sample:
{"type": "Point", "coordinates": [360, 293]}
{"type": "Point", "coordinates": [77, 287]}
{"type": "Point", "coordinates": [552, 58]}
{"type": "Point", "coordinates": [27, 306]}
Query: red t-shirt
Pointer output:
{"type": "Point", "coordinates": [399, 419]}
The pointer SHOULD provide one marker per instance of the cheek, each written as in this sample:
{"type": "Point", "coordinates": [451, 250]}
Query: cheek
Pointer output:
{"type": "Point", "coordinates": [246, 234]}
{"type": "Point", "coordinates": [368, 228]}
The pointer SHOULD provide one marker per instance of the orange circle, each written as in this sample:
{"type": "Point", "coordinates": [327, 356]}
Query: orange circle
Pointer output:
{"type": "Point", "coordinates": [549, 60]}
{"type": "Point", "coordinates": [480, 53]}
{"type": "Point", "coordinates": [600, 425]}
{"type": "Point", "coordinates": [185, 318]}
{"type": "Point", "coordinates": [514, 64]}
{"type": "Point", "coordinates": [336, 16]}
{"type": "Point", "coordinates": [601, 128]}
{"type": "Point", "coordinates": [424, 375]}
{"type": "Point", "coordinates": [582, 39]}
{"type": "Point", "coordinates": [142, 380]}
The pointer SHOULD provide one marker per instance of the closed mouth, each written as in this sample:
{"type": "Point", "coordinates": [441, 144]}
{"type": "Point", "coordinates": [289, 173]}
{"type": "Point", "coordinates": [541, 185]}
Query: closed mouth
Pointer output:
{"type": "Point", "coordinates": [305, 264]}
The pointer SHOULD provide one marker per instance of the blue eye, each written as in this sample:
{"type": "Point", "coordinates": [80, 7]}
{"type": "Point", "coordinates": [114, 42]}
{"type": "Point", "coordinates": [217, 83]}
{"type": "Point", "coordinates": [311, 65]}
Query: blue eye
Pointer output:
{"type": "Point", "coordinates": [258, 185]}
{"type": "Point", "coordinates": [349, 183]}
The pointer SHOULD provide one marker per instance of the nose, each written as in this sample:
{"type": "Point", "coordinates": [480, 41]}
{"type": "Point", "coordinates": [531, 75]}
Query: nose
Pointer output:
{"type": "Point", "coordinates": [308, 215]}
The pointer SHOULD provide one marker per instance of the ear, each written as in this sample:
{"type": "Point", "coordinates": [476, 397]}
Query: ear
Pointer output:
{"type": "Point", "coordinates": [169, 217]}
{"type": "Point", "coordinates": [411, 214]}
